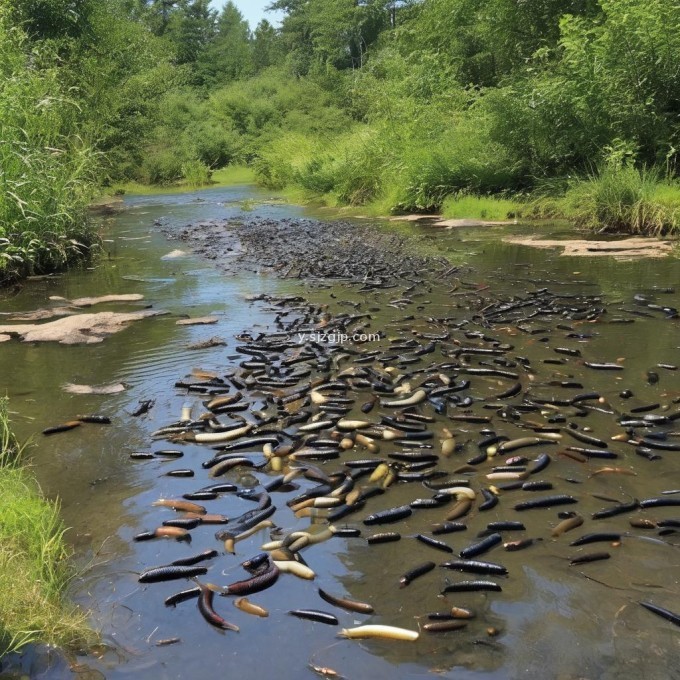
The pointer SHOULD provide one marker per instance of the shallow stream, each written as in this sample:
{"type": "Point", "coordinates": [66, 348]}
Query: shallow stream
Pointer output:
{"type": "Point", "coordinates": [553, 620]}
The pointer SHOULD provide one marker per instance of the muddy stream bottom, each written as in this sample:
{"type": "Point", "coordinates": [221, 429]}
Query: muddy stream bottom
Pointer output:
{"type": "Point", "coordinates": [478, 406]}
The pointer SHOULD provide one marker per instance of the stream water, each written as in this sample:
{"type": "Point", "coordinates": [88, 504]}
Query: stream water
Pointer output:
{"type": "Point", "coordinates": [556, 621]}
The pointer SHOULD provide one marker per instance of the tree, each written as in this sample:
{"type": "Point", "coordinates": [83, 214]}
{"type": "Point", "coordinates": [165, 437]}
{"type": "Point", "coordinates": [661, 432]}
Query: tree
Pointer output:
{"type": "Point", "coordinates": [485, 40]}
{"type": "Point", "coordinates": [229, 55]}
{"type": "Point", "coordinates": [191, 28]}
{"type": "Point", "coordinates": [52, 19]}
{"type": "Point", "coordinates": [266, 46]}
{"type": "Point", "coordinates": [157, 13]}
{"type": "Point", "coordinates": [333, 32]}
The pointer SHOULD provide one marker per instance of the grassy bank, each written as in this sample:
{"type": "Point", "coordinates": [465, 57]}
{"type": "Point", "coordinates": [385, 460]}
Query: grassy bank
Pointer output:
{"type": "Point", "coordinates": [465, 206]}
{"type": "Point", "coordinates": [617, 199]}
{"type": "Point", "coordinates": [34, 570]}
{"type": "Point", "coordinates": [428, 160]}
{"type": "Point", "coordinates": [228, 176]}
{"type": "Point", "coordinates": [46, 171]}
{"type": "Point", "coordinates": [469, 109]}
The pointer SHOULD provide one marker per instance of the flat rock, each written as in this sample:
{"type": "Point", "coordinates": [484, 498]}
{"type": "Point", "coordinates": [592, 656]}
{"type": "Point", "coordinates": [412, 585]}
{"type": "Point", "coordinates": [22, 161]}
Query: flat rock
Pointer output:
{"type": "Point", "coordinates": [5, 338]}
{"type": "Point", "coordinates": [438, 221]}
{"type": "Point", "coordinates": [205, 344]}
{"type": "Point", "coordinates": [42, 314]}
{"type": "Point", "coordinates": [107, 205]}
{"type": "Point", "coordinates": [622, 249]}
{"type": "Point", "coordinates": [89, 301]}
{"type": "Point", "coordinates": [173, 255]}
{"type": "Point", "coordinates": [78, 329]}
{"type": "Point", "coordinates": [198, 321]}
{"type": "Point", "coordinates": [111, 388]}
{"type": "Point", "coordinates": [414, 218]}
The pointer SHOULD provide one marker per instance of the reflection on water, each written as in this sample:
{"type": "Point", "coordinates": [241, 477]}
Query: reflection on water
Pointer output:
{"type": "Point", "coordinates": [554, 619]}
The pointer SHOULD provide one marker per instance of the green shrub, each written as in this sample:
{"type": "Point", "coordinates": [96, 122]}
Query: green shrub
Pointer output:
{"type": "Point", "coordinates": [350, 167]}
{"type": "Point", "coordinates": [163, 167]}
{"type": "Point", "coordinates": [214, 145]}
{"type": "Point", "coordinates": [280, 161]}
{"type": "Point", "coordinates": [196, 173]}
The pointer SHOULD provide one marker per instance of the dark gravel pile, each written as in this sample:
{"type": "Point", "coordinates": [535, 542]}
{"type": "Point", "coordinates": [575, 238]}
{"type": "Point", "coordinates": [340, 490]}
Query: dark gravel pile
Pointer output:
{"type": "Point", "coordinates": [299, 248]}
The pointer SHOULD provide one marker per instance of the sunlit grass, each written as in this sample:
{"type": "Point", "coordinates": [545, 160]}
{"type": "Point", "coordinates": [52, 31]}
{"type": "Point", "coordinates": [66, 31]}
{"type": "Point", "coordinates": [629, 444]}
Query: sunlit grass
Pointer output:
{"type": "Point", "coordinates": [232, 175]}
{"type": "Point", "coordinates": [34, 568]}
{"type": "Point", "coordinates": [196, 174]}
{"type": "Point", "coordinates": [617, 199]}
{"type": "Point", "coordinates": [463, 205]}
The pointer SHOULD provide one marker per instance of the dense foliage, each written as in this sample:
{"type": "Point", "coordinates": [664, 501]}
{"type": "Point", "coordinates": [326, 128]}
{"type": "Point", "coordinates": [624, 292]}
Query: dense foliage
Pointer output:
{"type": "Point", "coordinates": [405, 104]}
{"type": "Point", "coordinates": [408, 105]}
{"type": "Point", "coordinates": [79, 86]}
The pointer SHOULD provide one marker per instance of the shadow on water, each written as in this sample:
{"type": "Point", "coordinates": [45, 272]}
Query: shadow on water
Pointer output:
{"type": "Point", "coordinates": [554, 620]}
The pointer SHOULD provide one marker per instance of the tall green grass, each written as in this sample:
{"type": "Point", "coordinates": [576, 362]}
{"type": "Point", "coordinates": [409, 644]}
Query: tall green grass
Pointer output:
{"type": "Point", "coordinates": [625, 199]}
{"type": "Point", "coordinates": [196, 174]}
{"type": "Point", "coordinates": [34, 569]}
{"type": "Point", "coordinates": [46, 171]}
{"type": "Point", "coordinates": [618, 198]}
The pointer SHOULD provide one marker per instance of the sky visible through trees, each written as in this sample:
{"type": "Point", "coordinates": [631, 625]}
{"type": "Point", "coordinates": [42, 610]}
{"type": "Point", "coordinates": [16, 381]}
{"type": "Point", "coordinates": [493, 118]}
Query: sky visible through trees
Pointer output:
{"type": "Point", "coordinates": [253, 11]}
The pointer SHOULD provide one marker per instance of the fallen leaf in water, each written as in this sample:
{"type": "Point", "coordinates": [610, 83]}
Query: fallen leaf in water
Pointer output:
{"type": "Point", "coordinates": [203, 375]}
{"type": "Point", "coordinates": [168, 641]}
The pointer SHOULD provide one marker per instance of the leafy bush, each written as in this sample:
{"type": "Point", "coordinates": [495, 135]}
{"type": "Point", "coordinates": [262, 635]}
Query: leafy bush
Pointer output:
{"type": "Point", "coordinates": [280, 161]}
{"type": "Point", "coordinates": [213, 145]}
{"type": "Point", "coordinates": [196, 173]}
{"type": "Point", "coordinates": [163, 167]}
{"type": "Point", "coordinates": [464, 205]}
